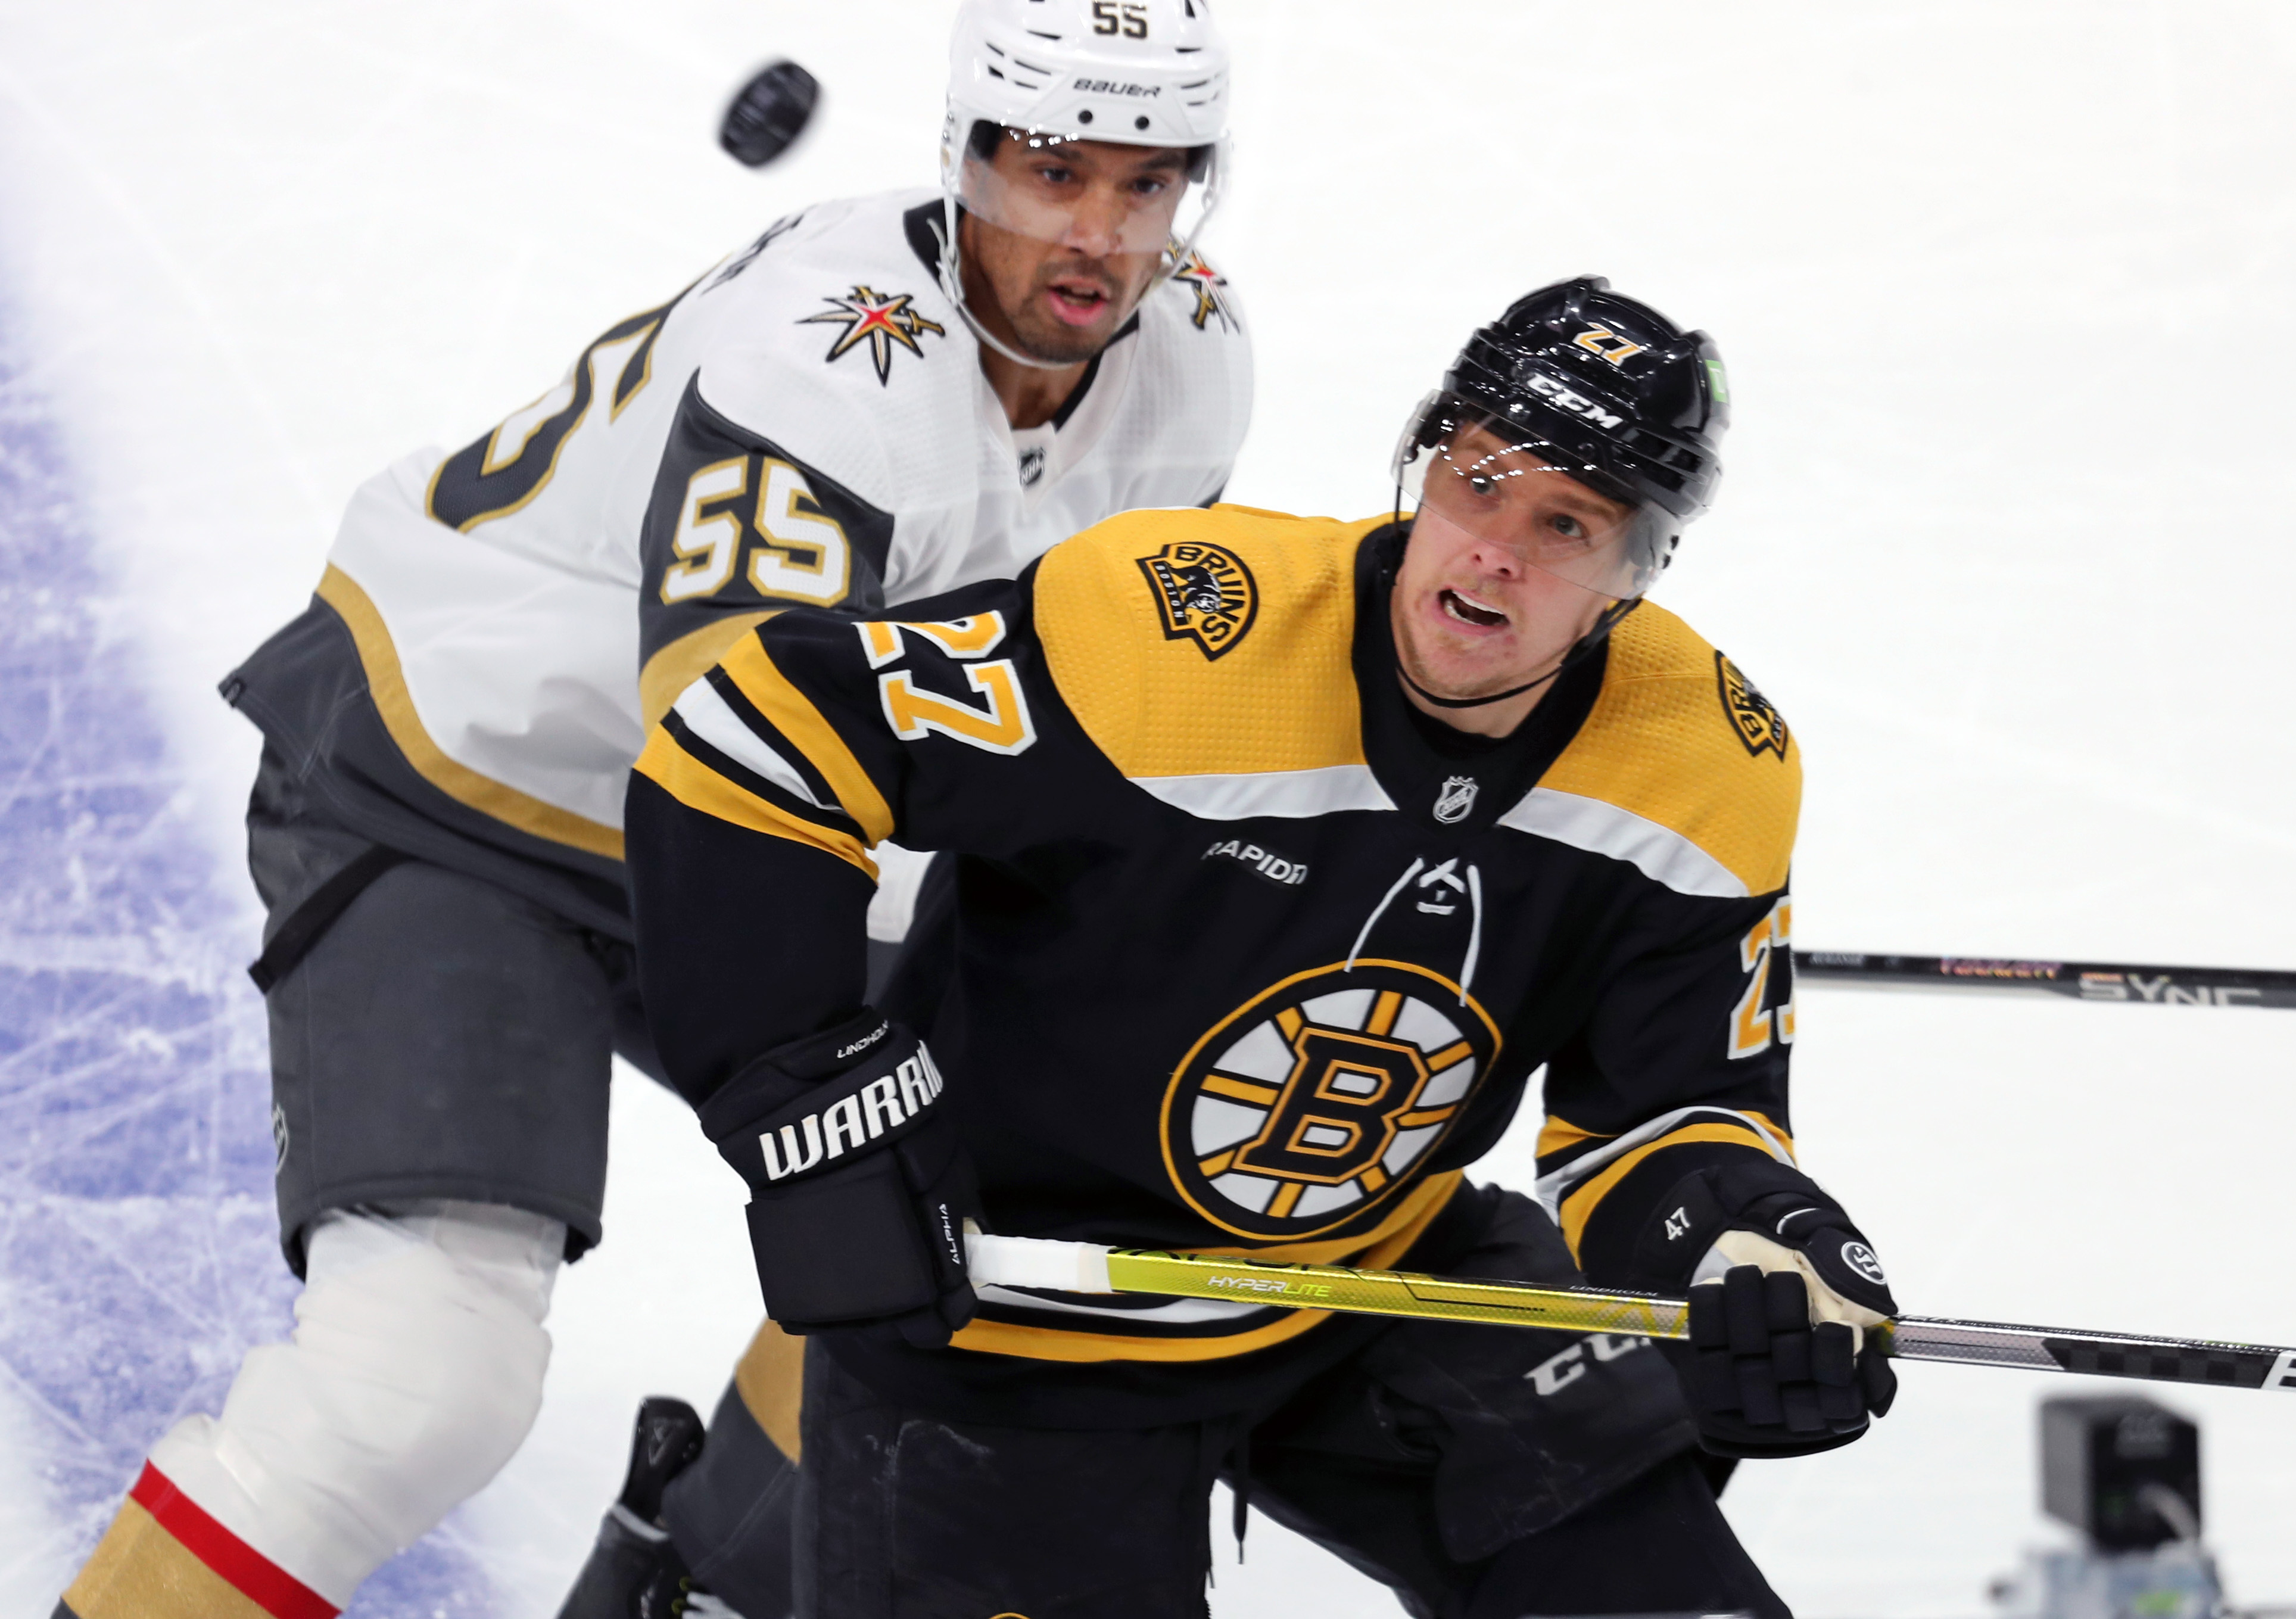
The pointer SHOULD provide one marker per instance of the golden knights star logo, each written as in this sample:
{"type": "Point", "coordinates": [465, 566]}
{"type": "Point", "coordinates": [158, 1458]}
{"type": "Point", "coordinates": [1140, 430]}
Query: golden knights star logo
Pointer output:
{"type": "Point", "coordinates": [1205, 283]}
{"type": "Point", "coordinates": [882, 319]}
{"type": "Point", "coordinates": [1309, 1105]}
{"type": "Point", "coordinates": [1758, 726]}
{"type": "Point", "coordinates": [1205, 594]}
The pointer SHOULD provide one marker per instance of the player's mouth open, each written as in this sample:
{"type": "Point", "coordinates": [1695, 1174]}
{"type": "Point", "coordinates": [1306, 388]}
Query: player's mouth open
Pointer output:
{"type": "Point", "coordinates": [1077, 303]}
{"type": "Point", "coordinates": [1466, 610]}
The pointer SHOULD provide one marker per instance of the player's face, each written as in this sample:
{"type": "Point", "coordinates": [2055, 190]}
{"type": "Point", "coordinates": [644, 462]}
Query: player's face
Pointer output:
{"type": "Point", "coordinates": [1061, 241]}
{"type": "Point", "coordinates": [1476, 608]}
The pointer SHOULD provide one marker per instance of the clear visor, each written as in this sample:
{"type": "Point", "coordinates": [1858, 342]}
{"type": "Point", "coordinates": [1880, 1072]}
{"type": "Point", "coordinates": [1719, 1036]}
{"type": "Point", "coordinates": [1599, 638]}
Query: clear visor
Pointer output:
{"type": "Point", "coordinates": [1103, 200]}
{"type": "Point", "coordinates": [1485, 480]}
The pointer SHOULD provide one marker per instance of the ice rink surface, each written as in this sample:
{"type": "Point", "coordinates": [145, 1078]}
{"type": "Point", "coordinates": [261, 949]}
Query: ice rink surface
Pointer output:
{"type": "Point", "coordinates": [2006, 291]}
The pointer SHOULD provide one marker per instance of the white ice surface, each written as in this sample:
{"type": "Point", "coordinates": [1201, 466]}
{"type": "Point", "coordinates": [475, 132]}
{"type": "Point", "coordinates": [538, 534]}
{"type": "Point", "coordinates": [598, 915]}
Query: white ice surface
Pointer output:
{"type": "Point", "coordinates": [2005, 290]}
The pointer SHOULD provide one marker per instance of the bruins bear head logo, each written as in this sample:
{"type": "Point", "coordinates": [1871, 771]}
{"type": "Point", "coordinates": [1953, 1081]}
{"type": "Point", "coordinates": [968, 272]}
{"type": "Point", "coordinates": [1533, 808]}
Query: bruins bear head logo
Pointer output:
{"type": "Point", "coordinates": [1311, 1105]}
{"type": "Point", "coordinates": [1761, 727]}
{"type": "Point", "coordinates": [1204, 593]}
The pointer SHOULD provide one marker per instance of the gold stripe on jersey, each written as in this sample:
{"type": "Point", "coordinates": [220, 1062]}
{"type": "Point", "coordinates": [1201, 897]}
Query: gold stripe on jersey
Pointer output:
{"type": "Point", "coordinates": [790, 712]}
{"type": "Point", "coordinates": [770, 1378]}
{"type": "Point", "coordinates": [1280, 695]}
{"type": "Point", "coordinates": [1579, 1204]}
{"type": "Point", "coordinates": [386, 684]}
{"type": "Point", "coordinates": [138, 1570]}
{"type": "Point", "coordinates": [697, 786]}
{"type": "Point", "coordinates": [1660, 744]}
{"type": "Point", "coordinates": [1376, 1250]}
{"type": "Point", "coordinates": [678, 665]}
{"type": "Point", "coordinates": [1559, 1135]}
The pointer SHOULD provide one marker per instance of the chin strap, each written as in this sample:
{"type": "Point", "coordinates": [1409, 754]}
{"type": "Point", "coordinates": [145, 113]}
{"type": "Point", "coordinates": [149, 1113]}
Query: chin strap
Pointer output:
{"type": "Point", "coordinates": [1580, 651]}
{"type": "Point", "coordinates": [955, 279]}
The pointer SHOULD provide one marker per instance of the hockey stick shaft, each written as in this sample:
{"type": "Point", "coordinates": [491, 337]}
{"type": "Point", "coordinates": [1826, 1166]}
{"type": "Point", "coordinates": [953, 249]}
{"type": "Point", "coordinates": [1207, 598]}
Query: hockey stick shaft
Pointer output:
{"type": "Point", "coordinates": [1019, 1261]}
{"type": "Point", "coordinates": [2099, 981]}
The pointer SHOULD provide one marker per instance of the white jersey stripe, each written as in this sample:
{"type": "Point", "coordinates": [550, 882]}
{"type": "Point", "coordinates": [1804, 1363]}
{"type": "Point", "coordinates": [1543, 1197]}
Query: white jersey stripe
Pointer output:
{"type": "Point", "coordinates": [709, 717]}
{"type": "Point", "coordinates": [1295, 794]}
{"type": "Point", "coordinates": [1658, 852]}
{"type": "Point", "coordinates": [1553, 1188]}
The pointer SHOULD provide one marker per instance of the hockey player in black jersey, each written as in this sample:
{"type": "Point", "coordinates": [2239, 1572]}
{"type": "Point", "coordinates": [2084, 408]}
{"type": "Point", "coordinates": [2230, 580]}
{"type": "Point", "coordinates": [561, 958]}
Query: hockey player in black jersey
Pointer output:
{"type": "Point", "coordinates": [1291, 851]}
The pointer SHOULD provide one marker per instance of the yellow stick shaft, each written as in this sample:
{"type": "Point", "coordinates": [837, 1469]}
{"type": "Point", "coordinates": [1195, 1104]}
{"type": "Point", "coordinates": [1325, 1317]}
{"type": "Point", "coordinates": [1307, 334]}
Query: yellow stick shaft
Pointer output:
{"type": "Point", "coordinates": [1395, 1293]}
{"type": "Point", "coordinates": [1020, 1261]}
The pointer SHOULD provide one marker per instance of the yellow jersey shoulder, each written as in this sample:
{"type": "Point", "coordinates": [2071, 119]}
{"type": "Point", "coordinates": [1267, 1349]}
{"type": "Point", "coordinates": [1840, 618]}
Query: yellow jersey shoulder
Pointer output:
{"type": "Point", "coordinates": [1680, 737]}
{"type": "Point", "coordinates": [1189, 642]}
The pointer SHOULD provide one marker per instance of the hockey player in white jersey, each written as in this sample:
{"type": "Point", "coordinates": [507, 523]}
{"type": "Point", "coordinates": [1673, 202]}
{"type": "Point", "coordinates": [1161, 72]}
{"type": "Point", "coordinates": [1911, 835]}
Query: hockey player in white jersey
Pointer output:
{"type": "Point", "coordinates": [875, 400]}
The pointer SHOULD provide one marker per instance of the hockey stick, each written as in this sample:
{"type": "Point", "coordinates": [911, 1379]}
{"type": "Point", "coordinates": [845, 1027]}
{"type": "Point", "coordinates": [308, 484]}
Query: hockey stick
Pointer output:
{"type": "Point", "coordinates": [1021, 1262]}
{"type": "Point", "coordinates": [2076, 980]}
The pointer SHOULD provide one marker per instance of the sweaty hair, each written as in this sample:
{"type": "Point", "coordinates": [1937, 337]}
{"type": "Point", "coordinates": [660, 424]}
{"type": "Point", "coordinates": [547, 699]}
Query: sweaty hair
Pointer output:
{"type": "Point", "coordinates": [981, 143]}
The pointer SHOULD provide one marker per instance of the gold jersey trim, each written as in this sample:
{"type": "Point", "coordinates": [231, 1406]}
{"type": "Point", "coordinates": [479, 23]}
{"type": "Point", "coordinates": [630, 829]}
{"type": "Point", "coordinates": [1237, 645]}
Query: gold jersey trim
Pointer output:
{"type": "Point", "coordinates": [1154, 620]}
{"type": "Point", "coordinates": [1559, 1135]}
{"type": "Point", "coordinates": [771, 1378]}
{"type": "Point", "coordinates": [697, 786]}
{"type": "Point", "coordinates": [678, 665]}
{"type": "Point", "coordinates": [386, 684]}
{"type": "Point", "coordinates": [1662, 746]}
{"type": "Point", "coordinates": [1376, 1250]}
{"type": "Point", "coordinates": [1279, 697]}
{"type": "Point", "coordinates": [1579, 1205]}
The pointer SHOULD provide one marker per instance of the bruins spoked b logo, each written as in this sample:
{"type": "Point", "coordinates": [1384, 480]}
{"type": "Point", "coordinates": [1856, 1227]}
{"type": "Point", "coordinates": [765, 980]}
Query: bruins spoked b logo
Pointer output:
{"type": "Point", "coordinates": [1205, 594]}
{"type": "Point", "coordinates": [1310, 1104]}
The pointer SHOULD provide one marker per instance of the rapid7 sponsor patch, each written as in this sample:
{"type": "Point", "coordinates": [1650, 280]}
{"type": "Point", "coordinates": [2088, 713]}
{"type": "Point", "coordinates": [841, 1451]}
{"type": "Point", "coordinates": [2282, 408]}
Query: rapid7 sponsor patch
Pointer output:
{"type": "Point", "coordinates": [1266, 862]}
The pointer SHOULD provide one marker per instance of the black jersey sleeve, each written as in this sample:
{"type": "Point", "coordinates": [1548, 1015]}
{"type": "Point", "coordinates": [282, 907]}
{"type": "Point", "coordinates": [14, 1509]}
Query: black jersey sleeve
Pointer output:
{"type": "Point", "coordinates": [748, 940]}
{"type": "Point", "coordinates": [760, 793]}
{"type": "Point", "coordinates": [737, 529]}
{"type": "Point", "coordinates": [1683, 1063]}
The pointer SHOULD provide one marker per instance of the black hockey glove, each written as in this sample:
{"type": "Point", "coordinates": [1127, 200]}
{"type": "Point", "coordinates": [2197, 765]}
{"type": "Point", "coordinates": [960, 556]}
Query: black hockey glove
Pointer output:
{"type": "Point", "coordinates": [1782, 1289]}
{"type": "Point", "coordinates": [859, 1188]}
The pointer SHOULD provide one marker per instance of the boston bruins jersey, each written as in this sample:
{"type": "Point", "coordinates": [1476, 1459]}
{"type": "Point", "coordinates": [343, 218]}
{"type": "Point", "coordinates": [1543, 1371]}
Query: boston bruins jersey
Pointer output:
{"type": "Point", "coordinates": [806, 424]}
{"type": "Point", "coordinates": [1250, 957]}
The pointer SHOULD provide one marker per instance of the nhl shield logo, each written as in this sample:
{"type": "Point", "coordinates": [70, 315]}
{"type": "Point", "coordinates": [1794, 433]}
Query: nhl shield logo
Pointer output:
{"type": "Point", "coordinates": [1455, 801]}
{"type": "Point", "coordinates": [1204, 593]}
{"type": "Point", "coordinates": [1759, 727]}
{"type": "Point", "coordinates": [1308, 1107]}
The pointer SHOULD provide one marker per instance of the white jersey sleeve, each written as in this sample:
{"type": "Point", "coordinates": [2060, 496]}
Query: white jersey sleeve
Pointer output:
{"type": "Point", "coordinates": [807, 424]}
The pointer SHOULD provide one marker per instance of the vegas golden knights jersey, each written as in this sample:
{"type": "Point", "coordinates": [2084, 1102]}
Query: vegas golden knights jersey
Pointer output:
{"type": "Point", "coordinates": [1249, 956]}
{"type": "Point", "coordinates": [806, 424]}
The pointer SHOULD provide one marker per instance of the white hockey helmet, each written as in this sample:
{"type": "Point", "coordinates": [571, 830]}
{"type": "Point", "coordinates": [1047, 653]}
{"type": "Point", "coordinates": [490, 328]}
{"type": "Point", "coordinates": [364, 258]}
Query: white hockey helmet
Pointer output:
{"type": "Point", "coordinates": [1130, 72]}
{"type": "Point", "coordinates": [1139, 72]}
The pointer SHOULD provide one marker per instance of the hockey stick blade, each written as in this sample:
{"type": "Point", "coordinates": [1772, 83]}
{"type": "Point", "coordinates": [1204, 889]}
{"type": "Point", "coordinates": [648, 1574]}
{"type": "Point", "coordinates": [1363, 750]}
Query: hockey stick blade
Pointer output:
{"type": "Point", "coordinates": [1026, 1262]}
{"type": "Point", "coordinates": [2132, 983]}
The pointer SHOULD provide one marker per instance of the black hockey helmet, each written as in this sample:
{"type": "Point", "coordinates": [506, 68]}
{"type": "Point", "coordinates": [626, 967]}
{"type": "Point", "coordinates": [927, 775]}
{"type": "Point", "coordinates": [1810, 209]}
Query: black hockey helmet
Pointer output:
{"type": "Point", "coordinates": [1597, 386]}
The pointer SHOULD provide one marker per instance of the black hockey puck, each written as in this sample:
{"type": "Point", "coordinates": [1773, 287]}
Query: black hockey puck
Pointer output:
{"type": "Point", "coordinates": [769, 113]}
